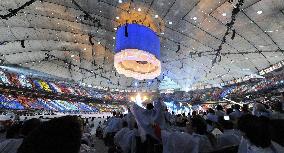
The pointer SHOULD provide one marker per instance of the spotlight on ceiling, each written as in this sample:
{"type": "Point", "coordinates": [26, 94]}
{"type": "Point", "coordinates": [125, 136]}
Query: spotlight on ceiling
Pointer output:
{"type": "Point", "coordinates": [259, 12]}
{"type": "Point", "coordinates": [194, 18]}
{"type": "Point", "coordinates": [224, 14]}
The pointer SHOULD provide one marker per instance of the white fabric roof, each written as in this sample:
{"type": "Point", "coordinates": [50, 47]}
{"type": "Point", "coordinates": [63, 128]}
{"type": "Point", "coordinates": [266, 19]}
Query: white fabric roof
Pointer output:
{"type": "Point", "coordinates": [55, 27]}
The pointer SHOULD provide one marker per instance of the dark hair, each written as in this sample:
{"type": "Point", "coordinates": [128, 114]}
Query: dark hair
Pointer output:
{"type": "Point", "coordinates": [219, 107]}
{"type": "Point", "coordinates": [84, 141]}
{"type": "Point", "coordinates": [245, 108]}
{"type": "Point", "coordinates": [237, 106]}
{"type": "Point", "coordinates": [61, 135]}
{"type": "Point", "coordinates": [201, 128]}
{"type": "Point", "coordinates": [124, 124]}
{"type": "Point", "coordinates": [209, 122]}
{"type": "Point", "coordinates": [277, 106]}
{"type": "Point", "coordinates": [13, 131]}
{"type": "Point", "coordinates": [194, 113]}
{"type": "Point", "coordinates": [259, 133]}
{"type": "Point", "coordinates": [244, 121]}
{"type": "Point", "coordinates": [256, 129]}
{"type": "Point", "coordinates": [113, 113]}
{"type": "Point", "coordinates": [29, 125]}
{"type": "Point", "coordinates": [266, 106]}
{"type": "Point", "coordinates": [210, 110]}
{"type": "Point", "coordinates": [229, 111]}
{"type": "Point", "coordinates": [200, 124]}
{"type": "Point", "coordinates": [149, 106]}
{"type": "Point", "coordinates": [135, 125]}
{"type": "Point", "coordinates": [226, 125]}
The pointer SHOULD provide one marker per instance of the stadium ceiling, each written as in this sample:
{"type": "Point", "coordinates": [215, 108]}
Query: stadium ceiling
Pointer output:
{"type": "Point", "coordinates": [76, 39]}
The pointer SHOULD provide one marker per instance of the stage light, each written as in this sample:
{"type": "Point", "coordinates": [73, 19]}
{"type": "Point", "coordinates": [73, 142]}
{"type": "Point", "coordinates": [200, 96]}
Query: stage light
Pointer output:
{"type": "Point", "coordinates": [259, 12]}
{"type": "Point", "coordinates": [145, 98]}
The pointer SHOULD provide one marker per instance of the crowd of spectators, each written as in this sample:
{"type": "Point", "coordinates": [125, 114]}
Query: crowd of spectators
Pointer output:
{"type": "Point", "coordinates": [153, 129]}
{"type": "Point", "coordinates": [235, 129]}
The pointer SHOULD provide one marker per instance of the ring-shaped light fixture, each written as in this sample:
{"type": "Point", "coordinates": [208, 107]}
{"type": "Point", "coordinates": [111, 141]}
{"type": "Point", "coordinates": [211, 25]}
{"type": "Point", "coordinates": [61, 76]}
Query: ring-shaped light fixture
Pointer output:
{"type": "Point", "coordinates": [137, 52]}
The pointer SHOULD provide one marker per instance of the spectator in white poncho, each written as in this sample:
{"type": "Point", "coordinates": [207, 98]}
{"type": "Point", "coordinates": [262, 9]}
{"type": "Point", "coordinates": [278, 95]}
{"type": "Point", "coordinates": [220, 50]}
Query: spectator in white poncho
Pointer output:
{"type": "Point", "coordinates": [148, 118]}
{"type": "Point", "coordinates": [114, 124]}
{"type": "Point", "coordinates": [179, 142]}
{"type": "Point", "coordinates": [219, 111]}
{"type": "Point", "coordinates": [119, 138]}
{"type": "Point", "coordinates": [259, 110]}
{"type": "Point", "coordinates": [129, 118]}
{"type": "Point", "coordinates": [237, 113]}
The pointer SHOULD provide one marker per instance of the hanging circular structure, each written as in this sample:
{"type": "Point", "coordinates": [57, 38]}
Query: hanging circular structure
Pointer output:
{"type": "Point", "coordinates": [137, 52]}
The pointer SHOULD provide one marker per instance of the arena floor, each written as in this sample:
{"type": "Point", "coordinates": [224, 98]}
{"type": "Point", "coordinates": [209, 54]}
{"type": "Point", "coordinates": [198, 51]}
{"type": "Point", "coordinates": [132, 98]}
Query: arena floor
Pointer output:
{"type": "Point", "coordinates": [100, 147]}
